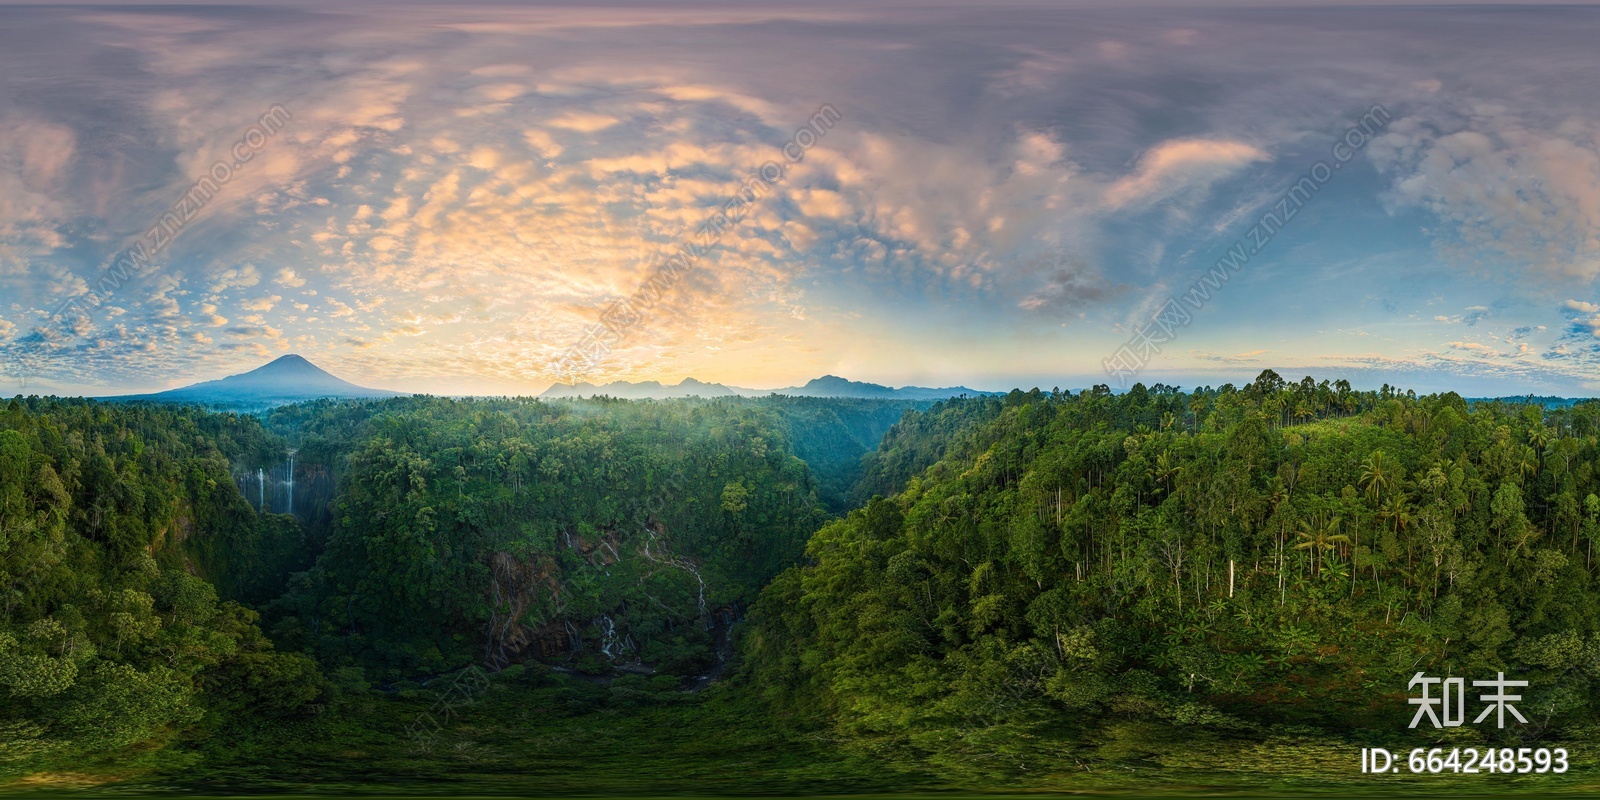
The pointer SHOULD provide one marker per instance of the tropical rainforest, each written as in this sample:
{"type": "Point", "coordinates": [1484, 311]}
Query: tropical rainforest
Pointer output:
{"type": "Point", "coordinates": [1223, 587]}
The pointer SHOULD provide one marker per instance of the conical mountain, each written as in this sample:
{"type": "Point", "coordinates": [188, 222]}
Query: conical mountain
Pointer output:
{"type": "Point", "coordinates": [289, 379]}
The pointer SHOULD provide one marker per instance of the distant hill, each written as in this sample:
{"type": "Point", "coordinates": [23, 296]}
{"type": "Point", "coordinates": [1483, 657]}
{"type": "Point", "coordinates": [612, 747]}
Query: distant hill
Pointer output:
{"type": "Point", "coordinates": [825, 386]}
{"type": "Point", "coordinates": [290, 379]}
{"type": "Point", "coordinates": [835, 386]}
{"type": "Point", "coordinates": [1548, 401]}
{"type": "Point", "coordinates": [651, 390]}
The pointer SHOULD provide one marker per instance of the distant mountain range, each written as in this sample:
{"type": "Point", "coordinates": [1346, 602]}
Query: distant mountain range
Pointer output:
{"type": "Point", "coordinates": [1548, 401]}
{"type": "Point", "coordinates": [644, 390]}
{"type": "Point", "coordinates": [290, 379]}
{"type": "Point", "coordinates": [293, 379]}
{"type": "Point", "coordinates": [825, 386]}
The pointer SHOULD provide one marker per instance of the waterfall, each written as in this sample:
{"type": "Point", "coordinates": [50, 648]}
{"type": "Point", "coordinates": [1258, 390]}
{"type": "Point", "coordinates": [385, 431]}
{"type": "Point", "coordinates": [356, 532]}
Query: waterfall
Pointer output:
{"type": "Point", "coordinates": [291, 481]}
{"type": "Point", "coordinates": [702, 597]}
{"type": "Point", "coordinates": [684, 564]}
{"type": "Point", "coordinates": [608, 635]}
{"type": "Point", "coordinates": [275, 487]}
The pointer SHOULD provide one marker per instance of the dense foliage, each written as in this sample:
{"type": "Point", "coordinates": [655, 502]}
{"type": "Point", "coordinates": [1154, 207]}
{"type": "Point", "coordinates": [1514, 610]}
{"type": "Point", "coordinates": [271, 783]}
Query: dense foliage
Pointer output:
{"type": "Point", "coordinates": [838, 437]}
{"type": "Point", "coordinates": [919, 441]}
{"type": "Point", "coordinates": [488, 530]}
{"type": "Point", "coordinates": [111, 521]}
{"type": "Point", "coordinates": [1033, 585]}
{"type": "Point", "coordinates": [1232, 559]}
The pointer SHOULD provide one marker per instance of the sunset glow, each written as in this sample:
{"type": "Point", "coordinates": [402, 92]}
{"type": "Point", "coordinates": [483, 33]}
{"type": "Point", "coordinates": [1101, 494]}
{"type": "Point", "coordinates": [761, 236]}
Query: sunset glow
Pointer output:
{"type": "Point", "coordinates": [459, 191]}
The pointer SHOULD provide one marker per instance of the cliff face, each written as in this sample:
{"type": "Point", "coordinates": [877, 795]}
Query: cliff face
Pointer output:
{"type": "Point", "coordinates": [176, 530]}
{"type": "Point", "coordinates": [489, 531]}
{"type": "Point", "coordinates": [296, 486]}
{"type": "Point", "coordinates": [570, 605]}
{"type": "Point", "coordinates": [517, 587]}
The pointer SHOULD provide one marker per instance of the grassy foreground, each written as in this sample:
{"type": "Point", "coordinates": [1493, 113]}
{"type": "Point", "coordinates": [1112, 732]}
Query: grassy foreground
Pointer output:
{"type": "Point", "coordinates": [575, 738]}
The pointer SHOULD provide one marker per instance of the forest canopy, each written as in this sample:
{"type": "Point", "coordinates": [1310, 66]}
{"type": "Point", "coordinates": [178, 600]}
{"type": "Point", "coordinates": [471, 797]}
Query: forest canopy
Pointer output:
{"type": "Point", "coordinates": [972, 581]}
{"type": "Point", "coordinates": [1232, 558]}
{"type": "Point", "coordinates": [112, 520]}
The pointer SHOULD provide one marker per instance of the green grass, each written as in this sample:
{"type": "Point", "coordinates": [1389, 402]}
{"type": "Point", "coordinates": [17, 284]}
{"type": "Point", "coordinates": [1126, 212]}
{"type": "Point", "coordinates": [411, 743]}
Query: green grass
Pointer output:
{"type": "Point", "coordinates": [582, 740]}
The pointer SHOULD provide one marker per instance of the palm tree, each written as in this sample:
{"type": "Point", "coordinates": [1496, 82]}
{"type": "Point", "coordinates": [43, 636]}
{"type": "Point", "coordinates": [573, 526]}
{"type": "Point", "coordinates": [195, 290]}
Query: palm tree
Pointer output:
{"type": "Point", "coordinates": [1376, 475]}
{"type": "Point", "coordinates": [1396, 512]}
{"type": "Point", "coordinates": [1279, 495]}
{"type": "Point", "coordinates": [1166, 469]}
{"type": "Point", "coordinates": [1527, 461]}
{"type": "Point", "coordinates": [1303, 412]}
{"type": "Point", "coordinates": [1319, 537]}
{"type": "Point", "coordinates": [1539, 436]}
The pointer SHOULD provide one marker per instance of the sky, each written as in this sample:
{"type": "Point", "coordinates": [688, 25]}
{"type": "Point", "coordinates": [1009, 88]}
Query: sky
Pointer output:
{"type": "Point", "coordinates": [445, 198]}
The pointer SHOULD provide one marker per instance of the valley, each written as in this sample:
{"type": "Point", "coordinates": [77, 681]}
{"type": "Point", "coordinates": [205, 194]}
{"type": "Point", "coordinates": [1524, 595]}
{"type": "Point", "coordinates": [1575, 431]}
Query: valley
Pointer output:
{"type": "Point", "coordinates": [1040, 590]}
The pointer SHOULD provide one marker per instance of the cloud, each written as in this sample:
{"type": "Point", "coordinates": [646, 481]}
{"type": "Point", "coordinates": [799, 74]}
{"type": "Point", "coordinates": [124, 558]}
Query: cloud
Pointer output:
{"type": "Point", "coordinates": [235, 278]}
{"type": "Point", "coordinates": [1250, 357]}
{"type": "Point", "coordinates": [1068, 286]}
{"type": "Point", "coordinates": [35, 160]}
{"type": "Point", "coordinates": [1583, 323]}
{"type": "Point", "coordinates": [209, 312]}
{"type": "Point", "coordinates": [1588, 325]}
{"type": "Point", "coordinates": [583, 122]}
{"type": "Point", "coordinates": [1181, 165]}
{"type": "Point", "coordinates": [265, 303]}
{"type": "Point", "coordinates": [501, 92]}
{"type": "Point", "coordinates": [1470, 317]}
{"type": "Point", "coordinates": [542, 143]}
{"type": "Point", "coordinates": [1508, 193]}
{"type": "Point", "coordinates": [39, 152]}
{"type": "Point", "coordinates": [499, 179]}
{"type": "Point", "coordinates": [254, 331]}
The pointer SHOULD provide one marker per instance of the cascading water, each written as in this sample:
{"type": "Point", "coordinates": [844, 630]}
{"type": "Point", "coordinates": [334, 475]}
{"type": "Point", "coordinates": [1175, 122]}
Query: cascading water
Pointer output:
{"type": "Point", "coordinates": [278, 488]}
{"type": "Point", "coordinates": [685, 565]}
{"type": "Point", "coordinates": [608, 636]}
{"type": "Point", "coordinates": [702, 596]}
{"type": "Point", "coordinates": [291, 481]}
